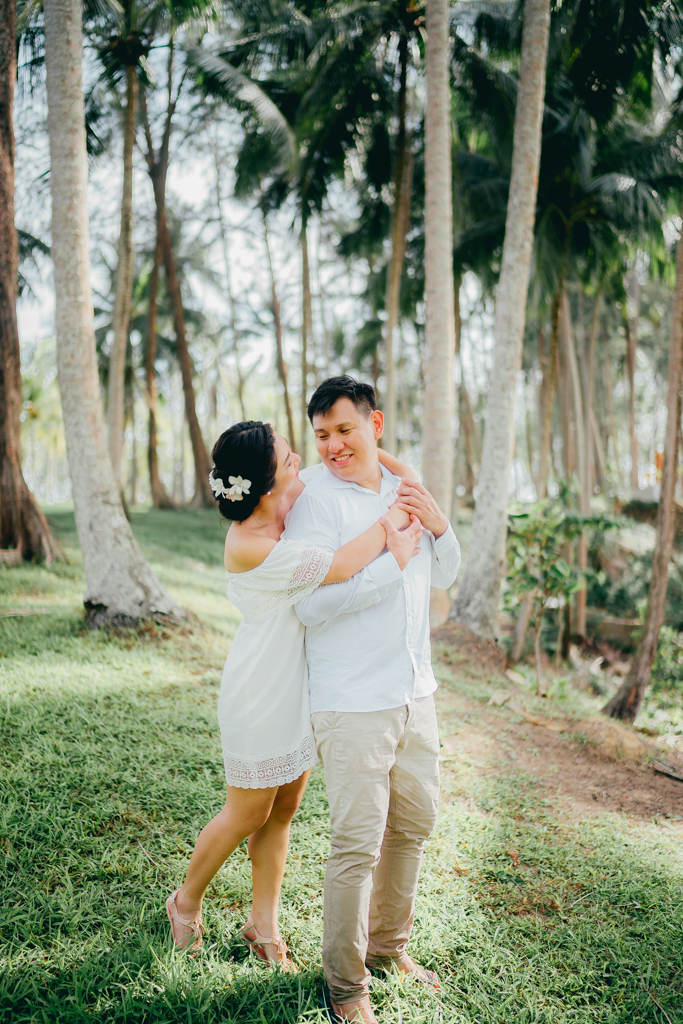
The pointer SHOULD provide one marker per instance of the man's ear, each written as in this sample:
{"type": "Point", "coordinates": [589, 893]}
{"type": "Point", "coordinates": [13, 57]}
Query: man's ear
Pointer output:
{"type": "Point", "coordinates": [378, 423]}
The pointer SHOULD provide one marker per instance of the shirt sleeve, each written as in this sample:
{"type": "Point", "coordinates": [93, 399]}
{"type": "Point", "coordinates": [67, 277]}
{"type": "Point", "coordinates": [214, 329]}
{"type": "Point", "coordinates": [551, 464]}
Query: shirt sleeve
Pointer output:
{"type": "Point", "coordinates": [313, 521]}
{"type": "Point", "coordinates": [379, 579]}
{"type": "Point", "coordinates": [445, 559]}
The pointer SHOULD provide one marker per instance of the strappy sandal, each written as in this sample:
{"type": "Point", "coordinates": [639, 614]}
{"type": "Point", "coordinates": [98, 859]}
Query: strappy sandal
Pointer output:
{"type": "Point", "coordinates": [192, 943]}
{"type": "Point", "coordinates": [257, 943]}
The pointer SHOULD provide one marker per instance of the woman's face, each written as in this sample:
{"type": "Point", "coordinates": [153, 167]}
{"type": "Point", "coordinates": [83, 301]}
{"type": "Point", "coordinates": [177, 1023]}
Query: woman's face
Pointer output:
{"type": "Point", "coordinates": [287, 464]}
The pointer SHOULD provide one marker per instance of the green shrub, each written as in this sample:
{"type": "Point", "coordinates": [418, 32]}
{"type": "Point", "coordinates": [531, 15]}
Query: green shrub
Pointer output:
{"type": "Point", "coordinates": [667, 670]}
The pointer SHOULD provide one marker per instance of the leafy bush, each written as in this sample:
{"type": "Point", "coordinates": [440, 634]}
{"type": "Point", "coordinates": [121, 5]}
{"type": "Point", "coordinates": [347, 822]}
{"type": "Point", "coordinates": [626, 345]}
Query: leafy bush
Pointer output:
{"type": "Point", "coordinates": [667, 670]}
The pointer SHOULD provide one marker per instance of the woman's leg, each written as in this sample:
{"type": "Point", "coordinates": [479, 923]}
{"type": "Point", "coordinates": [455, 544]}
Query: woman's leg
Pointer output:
{"type": "Point", "coordinates": [268, 847]}
{"type": "Point", "coordinates": [245, 811]}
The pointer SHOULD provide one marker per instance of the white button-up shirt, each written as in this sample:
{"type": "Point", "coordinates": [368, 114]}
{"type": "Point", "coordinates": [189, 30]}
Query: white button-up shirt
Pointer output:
{"type": "Point", "coordinates": [367, 640]}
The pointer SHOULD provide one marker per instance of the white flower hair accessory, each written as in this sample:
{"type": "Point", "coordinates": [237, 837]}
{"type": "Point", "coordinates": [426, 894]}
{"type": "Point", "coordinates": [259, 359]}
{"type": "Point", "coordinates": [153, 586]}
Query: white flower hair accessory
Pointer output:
{"type": "Point", "coordinates": [237, 488]}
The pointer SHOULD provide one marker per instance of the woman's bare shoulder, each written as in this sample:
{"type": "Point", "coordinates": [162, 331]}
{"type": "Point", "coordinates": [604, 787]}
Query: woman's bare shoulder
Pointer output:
{"type": "Point", "coordinates": [246, 549]}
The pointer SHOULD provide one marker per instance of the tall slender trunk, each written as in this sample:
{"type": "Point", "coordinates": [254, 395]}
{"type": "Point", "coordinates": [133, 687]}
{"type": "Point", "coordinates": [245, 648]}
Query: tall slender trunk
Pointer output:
{"type": "Point", "coordinates": [277, 323]}
{"type": "Point", "coordinates": [228, 279]}
{"type": "Point", "coordinates": [627, 700]}
{"type": "Point", "coordinates": [120, 583]}
{"type": "Point", "coordinates": [24, 533]}
{"type": "Point", "coordinates": [203, 494]}
{"type": "Point", "coordinates": [610, 410]}
{"type": "Point", "coordinates": [632, 346]}
{"type": "Point", "coordinates": [439, 390]}
{"type": "Point", "coordinates": [124, 283]}
{"type": "Point", "coordinates": [399, 219]}
{"type": "Point", "coordinates": [157, 166]}
{"type": "Point", "coordinates": [476, 605]}
{"type": "Point", "coordinates": [590, 434]}
{"type": "Point", "coordinates": [306, 323]}
{"type": "Point", "coordinates": [160, 497]}
{"type": "Point", "coordinates": [548, 390]}
{"type": "Point", "coordinates": [581, 444]}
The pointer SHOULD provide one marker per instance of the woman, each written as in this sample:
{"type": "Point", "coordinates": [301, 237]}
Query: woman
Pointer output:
{"type": "Point", "coordinates": [263, 710]}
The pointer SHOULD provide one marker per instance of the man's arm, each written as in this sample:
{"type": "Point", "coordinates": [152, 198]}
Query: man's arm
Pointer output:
{"type": "Point", "coordinates": [445, 559]}
{"type": "Point", "coordinates": [311, 520]}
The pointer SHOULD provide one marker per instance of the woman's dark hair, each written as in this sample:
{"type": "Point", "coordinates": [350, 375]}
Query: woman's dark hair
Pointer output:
{"type": "Point", "coordinates": [331, 390]}
{"type": "Point", "coordinates": [246, 450]}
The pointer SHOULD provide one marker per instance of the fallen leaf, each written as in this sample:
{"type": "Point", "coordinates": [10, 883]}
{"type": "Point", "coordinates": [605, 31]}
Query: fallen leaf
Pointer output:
{"type": "Point", "coordinates": [498, 699]}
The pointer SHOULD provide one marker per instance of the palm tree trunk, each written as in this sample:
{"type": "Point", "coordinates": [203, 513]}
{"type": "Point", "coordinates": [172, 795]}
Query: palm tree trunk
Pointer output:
{"type": "Point", "coordinates": [399, 226]}
{"type": "Point", "coordinates": [610, 410]}
{"type": "Point", "coordinates": [476, 605]}
{"type": "Point", "coordinates": [203, 495]}
{"type": "Point", "coordinates": [627, 700]}
{"type": "Point", "coordinates": [160, 497]}
{"type": "Point", "coordinates": [277, 323]}
{"type": "Point", "coordinates": [632, 342]}
{"type": "Point", "coordinates": [24, 533]}
{"type": "Point", "coordinates": [120, 583]}
{"type": "Point", "coordinates": [439, 391]}
{"type": "Point", "coordinates": [228, 278]}
{"type": "Point", "coordinates": [548, 391]}
{"type": "Point", "coordinates": [124, 284]}
{"type": "Point", "coordinates": [306, 323]}
{"type": "Point", "coordinates": [581, 445]}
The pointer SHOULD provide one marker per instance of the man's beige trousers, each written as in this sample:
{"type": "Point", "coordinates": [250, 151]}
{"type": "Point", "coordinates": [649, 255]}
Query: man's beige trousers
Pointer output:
{"type": "Point", "coordinates": [382, 779]}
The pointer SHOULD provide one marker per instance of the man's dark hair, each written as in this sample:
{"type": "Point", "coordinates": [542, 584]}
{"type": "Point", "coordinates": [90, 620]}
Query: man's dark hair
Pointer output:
{"type": "Point", "coordinates": [331, 390]}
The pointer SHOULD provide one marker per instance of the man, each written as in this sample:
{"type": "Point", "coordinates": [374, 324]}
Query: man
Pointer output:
{"type": "Point", "coordinates": [371, 686]}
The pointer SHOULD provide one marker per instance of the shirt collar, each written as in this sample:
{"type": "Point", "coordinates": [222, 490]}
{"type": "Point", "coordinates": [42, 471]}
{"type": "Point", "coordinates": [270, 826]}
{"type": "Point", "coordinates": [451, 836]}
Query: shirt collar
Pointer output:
{"type": "Point", "coordinates": [389, 481]}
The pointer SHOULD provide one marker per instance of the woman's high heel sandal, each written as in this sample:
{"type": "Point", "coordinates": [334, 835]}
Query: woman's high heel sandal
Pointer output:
{"type": "Point", "coordinates": [255, 941]}
{"type": "Point", "coordinates": [190, 941]}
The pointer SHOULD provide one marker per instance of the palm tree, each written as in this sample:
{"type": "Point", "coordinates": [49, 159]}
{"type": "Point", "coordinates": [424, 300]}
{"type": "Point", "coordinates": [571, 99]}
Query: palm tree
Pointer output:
{"type": "Point", "coordinates": [24, 533]}
{"type": "Point", "coordinates": [120, 583]}
{"type": "Point", "coordinates": [437, 460]}
{"type": "Point", "coordinates": [477, 603]}
{"type": "Point", "coordinates": [124, 56]}
{"type": "Point", "coordinates": [157, 158]}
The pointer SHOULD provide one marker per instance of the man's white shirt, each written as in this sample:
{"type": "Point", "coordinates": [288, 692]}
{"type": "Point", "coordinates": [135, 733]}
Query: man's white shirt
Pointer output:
{"type": "Point", "coordinates": [367, 640]}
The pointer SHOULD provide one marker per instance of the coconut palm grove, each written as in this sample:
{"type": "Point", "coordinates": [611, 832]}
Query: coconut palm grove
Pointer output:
{"type": "Point", "coordinates": [260, 256]}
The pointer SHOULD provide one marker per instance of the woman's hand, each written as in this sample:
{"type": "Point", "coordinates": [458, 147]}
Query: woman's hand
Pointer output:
{"type": "Point", "coordinates": [403, 544]}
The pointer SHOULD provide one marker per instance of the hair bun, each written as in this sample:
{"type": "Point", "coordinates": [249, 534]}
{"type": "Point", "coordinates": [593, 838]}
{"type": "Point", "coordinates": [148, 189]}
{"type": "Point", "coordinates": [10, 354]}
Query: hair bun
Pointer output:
{"type": "Point", "coordinates": [245, 462]}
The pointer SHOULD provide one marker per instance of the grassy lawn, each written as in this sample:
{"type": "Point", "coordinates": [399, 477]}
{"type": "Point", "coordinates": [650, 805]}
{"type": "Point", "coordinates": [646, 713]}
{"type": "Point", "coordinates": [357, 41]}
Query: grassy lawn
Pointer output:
{"type": "Point", "coordinates": [110, 765]}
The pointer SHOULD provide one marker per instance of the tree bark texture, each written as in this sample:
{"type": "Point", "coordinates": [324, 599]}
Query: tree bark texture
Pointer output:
{"type": "Point", "coordinates": [124, 284]}
{"type": "Point", "coordinates": [476, 605]}
{"type": "Point", "coordinates": [160, 497]}
{"type": "Point", "coordinates": [579, 432]}
{"type": "Point", "coordinates": [203, 494]}
{"type": "Point", "coordinates": [439, 386]}
{"type": "Point", "coordinates": [632, 346]}
{"type": "Point", "coordinates": [24, 533]}
{"type": "Point", "coordinates": [400, 221]}
{"type": "Point", "coordinates": [306, 330]}
{"type": "Point", "coordinates": [626, 702]}
{"type": "Point", "coordinates": [120, 584]}
{"type": "Point", "coordinates": [548, 394]}
{"type": "Point", "coordinates": [277, 324]}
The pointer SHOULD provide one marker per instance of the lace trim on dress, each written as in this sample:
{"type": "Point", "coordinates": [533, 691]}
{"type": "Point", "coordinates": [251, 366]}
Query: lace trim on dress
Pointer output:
{"type": "Point", "coordinates": [257, 605]}
{"type": "Point", "coordinates": [270, 771]}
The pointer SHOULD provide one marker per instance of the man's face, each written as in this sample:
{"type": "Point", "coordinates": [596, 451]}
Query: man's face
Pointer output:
{"type": "Point", "coordinates": [346, 438]}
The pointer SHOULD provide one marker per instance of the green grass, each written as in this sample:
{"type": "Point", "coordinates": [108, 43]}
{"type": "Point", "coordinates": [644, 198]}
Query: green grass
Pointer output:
{"type": "Point", "coordinates": [110, 764]}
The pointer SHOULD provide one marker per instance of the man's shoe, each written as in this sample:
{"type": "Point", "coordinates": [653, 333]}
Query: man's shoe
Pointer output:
{"type": "Point", "coordinates": [357, 1012]}
{"type": "Point", "coordinates": [406, 965]}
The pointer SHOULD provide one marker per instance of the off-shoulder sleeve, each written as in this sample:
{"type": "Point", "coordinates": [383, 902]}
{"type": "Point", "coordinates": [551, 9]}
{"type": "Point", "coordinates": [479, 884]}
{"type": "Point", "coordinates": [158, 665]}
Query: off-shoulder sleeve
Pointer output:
{"type": "Point", "coordinates": [292, 571]}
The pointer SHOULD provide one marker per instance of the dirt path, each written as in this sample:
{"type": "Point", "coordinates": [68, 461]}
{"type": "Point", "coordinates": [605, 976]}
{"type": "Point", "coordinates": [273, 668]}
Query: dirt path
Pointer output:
{"type": "Point", "coordinates": [576, 778]}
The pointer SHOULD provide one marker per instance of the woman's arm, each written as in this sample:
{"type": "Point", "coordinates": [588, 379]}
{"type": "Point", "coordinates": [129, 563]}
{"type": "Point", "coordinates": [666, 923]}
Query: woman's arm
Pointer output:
{"type": "Point", "coordinates": [354, 556]}
{"type": "Point", "coordinates": [397, 468]}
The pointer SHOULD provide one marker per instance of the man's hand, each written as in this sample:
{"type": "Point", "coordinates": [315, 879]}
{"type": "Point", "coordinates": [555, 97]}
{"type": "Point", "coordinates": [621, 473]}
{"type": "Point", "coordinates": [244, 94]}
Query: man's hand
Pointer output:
{"type": "Point", "coordinates": [416, 500]}
{"type": "Point", "coordinates": [403, 544]}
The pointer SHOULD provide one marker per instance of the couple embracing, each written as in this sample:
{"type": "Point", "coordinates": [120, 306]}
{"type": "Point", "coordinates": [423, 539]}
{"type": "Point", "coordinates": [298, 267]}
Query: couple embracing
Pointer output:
{"type": "Point", "coordinates": [332, 571]}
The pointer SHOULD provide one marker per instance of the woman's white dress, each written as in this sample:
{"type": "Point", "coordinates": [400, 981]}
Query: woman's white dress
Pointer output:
{"type": "Point", "coordinates": [263, 707]}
